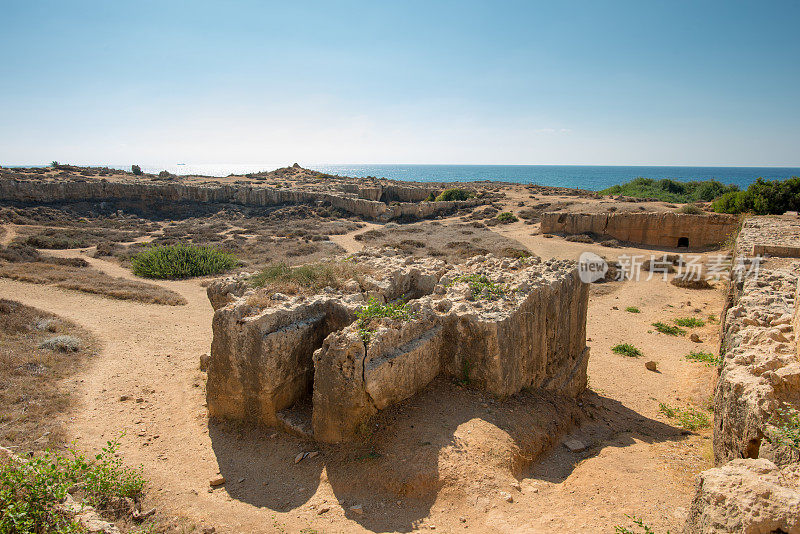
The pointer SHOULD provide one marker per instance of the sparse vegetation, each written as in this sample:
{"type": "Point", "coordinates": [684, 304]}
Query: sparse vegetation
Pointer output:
{"type": "Point", "coordinates": [482, 287]}
{"type": "Point", "coordinates": [507, 217]}
{"type": "Point", "coordinates": [671, 190]}
{"type": "Point", "coordinates": [136, 170]}
{"type": "Point", "coordinates": [786, 429]}
{"type": "Point", "coordinates": [31, 489]}
{"type": "Point", "coordinates": [689, 322]}
{"type": "Point", "coordinates": [626, 349]}
{"type": "Point", "coordinates": [310, 277]}
{"type": "Point", "coordinates": [375, 310]}
{"type": "Point", "coordinates": [643, 528]}
{"type": "Point", "coordinates": [705, 357]}
{"type": "Point", "coordinates": [174, 262]}
{"type": "Point", "coordinates": [32, 396]}
{"type": "Point", "coordinates": [89, 280]}
{"type": "Point", "coordinates": [633, 309]}
{"type": "Point", "coordinates": [688, 418]}
{"type": "Point", "coordinates": [669, 329]}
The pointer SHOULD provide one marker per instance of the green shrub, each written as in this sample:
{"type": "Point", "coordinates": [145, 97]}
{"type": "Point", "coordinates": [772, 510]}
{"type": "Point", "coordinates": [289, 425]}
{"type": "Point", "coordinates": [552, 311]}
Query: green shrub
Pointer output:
{"type": "Point", "coordinates": [763, 197]}
{"type": "Point", "coordinates": [136, 170]}
{"type": "Point", "coordinates": [174, 262]}
{"type": "Point", "coordinates": [455, 194]}
{"type": "Point", "coordinates": [626, 349]}
{"type": "Point", "coordinates": [689, 322]}
{"type": "Point", "coordinates": [633, 309]}
{"type": "Point", "coordinates": [374, 309]}
{"type": "Point", "coordinates": [669, 329]}
{"type": "Point", "coordinates": [31, 489]}
{"type": "Point", "coordinates": [431, 197]}
{"type": "Point", "coordinates": [507, 217]}
{"type": "Point", "coordinates": [705, 357]}
{"type": "Point", "coordinates": [671, 190]}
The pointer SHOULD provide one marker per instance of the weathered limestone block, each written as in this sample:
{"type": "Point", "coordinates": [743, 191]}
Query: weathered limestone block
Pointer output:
{"type": "Point", "coordinates": [750, 496]}
{"type": "Point", "coordinates": [262, 364]}
{"type": "Point", "coordinates": [665, 229]}
{"type": "Point", "coordinates": [500, 324]}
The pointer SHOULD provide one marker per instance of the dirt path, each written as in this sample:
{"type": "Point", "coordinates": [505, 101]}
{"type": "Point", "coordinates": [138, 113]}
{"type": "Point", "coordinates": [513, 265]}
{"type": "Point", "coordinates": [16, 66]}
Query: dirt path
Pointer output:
{"type": "Point", "coordinates": [636, 461]}
{"type": "Point", "coordinates": [347, 241]}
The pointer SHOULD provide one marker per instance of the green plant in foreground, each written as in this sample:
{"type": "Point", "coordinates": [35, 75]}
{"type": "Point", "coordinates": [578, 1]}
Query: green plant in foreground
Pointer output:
{"type": "Point", "coordinates": [668, 329]}
{"type": "Point", "coordinates": [787, 429]}
{"type": "Point", "coordinates": [626, 349]}
{"type": "Point", "coordinates": [633, 309]}
{"type": "Point", "coordinates": [689, 322]}
{"type": "Point", "coordinates": [374, 309]}
{"type": "Point", "coordinates": [31, 489]}
{"type": "Point", "coordinates": [645, 529]}
{"type": "Point", "coordinates": [174, 262]}
{"type": "Point", "coordinates": [705, 357]}
{"type": "Point", "coordinates": [688, 418]}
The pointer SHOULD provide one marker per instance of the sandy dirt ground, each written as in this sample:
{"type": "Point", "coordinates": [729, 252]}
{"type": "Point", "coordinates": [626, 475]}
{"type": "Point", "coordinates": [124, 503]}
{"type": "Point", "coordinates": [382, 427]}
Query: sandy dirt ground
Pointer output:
{"type": "Point", "coordinates": [146, 383]}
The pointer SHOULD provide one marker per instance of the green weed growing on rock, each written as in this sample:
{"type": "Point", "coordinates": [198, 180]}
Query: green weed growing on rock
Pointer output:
{"type": "Point", "coordinates": [374, 310]}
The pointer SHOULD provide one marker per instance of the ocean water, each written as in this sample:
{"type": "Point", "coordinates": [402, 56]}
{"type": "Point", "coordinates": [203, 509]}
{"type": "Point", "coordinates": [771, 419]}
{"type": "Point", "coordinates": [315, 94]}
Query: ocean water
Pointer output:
{"type": "Point", "coordinates": [580, 176]}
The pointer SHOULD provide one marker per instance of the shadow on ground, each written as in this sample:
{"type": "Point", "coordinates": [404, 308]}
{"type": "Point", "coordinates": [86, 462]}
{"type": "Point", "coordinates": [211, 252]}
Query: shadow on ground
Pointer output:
{"type": "Point", "coordinates": [447, 436]}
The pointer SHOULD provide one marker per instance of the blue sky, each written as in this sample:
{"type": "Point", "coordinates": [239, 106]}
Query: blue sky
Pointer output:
{"type": "Point", "coordinates": [644, 82]}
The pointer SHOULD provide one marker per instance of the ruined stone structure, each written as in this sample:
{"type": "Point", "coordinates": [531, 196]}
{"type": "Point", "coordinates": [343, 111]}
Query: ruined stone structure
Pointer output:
{"type": "Point", "coordinates": [303, 363]}
{"type": "Point", "coordinates": [368, 201]}
{"type": "Point", "coordinates": [671, 230]}
{"type": "Point", "coordinates": [758, 489]}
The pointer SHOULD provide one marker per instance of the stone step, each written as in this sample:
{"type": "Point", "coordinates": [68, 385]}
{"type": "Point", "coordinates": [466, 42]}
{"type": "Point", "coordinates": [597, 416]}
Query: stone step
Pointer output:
{"type": "Point", "coordinates": [296, 420]}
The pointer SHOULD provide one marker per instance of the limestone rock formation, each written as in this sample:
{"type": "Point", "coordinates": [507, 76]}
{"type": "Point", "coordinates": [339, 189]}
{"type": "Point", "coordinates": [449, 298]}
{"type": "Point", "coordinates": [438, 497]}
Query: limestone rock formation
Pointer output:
{"type": "Point", "coordinates": [752, 496]}
{"type": "Point", "coordinates": [500, 324]}
{"type": "Point", "coordinates": [658, 229]}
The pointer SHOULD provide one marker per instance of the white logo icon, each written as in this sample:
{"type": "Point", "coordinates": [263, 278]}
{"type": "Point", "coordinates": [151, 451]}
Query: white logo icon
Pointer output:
{"type": "Point", "coordinates": [591, 267]}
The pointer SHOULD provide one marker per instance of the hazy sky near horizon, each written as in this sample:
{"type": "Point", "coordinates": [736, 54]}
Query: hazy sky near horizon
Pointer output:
{"type": "Point", "coordinates": [576, 82]}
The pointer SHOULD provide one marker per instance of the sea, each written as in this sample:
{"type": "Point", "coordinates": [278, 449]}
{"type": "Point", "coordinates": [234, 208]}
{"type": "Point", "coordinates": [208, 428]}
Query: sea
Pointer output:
{"type": "Point", "coordinates": [592, 177]}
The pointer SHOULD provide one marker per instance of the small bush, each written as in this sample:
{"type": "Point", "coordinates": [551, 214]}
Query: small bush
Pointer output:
{"type": "Point", "coordinates": [174, 262]}
{"type": "Point", "coordinates": [32, 489]}
{"type": "Point", "coordinates": [62, 344]}
{"type": "Point", "coordinates": [507, 217]}
{"type": "Point", "coordinates": [690, 209]}
{"type": "Point", "coordinates": [689, 322]}
{"type": "Point", "coordinates": [626, 349]}
{"type": "Point", "coordinates": [705, 357]}
{"type": "Point", "coordinates": [136, 170]}
{"type": "Point", "coordinates": [645, 529]}
{"type": "Point", "coordinates": [454, 194]}
{"type": "Point", "coordinates": [633, 309]}
{"type": "Point", "coordinates": [398, 311]}
{"type": "Point", "coordinates": [669, 329]}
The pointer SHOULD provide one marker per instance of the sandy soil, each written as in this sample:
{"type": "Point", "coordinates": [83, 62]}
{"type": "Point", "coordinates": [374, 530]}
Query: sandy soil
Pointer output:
{"type": "Point", "coordinates": [636, 462]}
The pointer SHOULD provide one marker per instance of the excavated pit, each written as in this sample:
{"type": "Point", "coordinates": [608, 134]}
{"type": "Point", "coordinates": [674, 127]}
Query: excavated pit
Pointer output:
{"type": "Point", "coordinates": [304, 364]}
